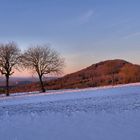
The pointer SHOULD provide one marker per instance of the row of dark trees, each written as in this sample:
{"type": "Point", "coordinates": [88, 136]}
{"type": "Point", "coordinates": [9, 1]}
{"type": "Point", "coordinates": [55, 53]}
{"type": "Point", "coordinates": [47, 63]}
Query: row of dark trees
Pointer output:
{"type": "Point", "coordinates": [40, 59]}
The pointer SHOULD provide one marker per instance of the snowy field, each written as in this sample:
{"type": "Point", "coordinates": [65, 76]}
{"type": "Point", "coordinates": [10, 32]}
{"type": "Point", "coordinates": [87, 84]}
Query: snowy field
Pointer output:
{"type": "Point", "coordinates": [107, 113]}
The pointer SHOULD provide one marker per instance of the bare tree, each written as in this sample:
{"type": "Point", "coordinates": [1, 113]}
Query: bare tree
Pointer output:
{"type": "Point", "coordinates": [42, 60]}
{"type": "Point", "coordinates": [9, 60]}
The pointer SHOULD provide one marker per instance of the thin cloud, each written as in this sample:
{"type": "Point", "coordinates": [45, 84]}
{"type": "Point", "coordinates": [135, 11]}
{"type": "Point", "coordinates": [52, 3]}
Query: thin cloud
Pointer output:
{"type": "Point", "coordinates": [132, 35]}
{"type": "Point", "coordinates": [86, 17]}
{"type": "Point", "coordinates": [82, 18]}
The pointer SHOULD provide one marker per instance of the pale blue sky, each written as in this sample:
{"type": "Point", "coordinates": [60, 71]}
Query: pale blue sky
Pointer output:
{"type": "Point", "coordinates": [83, 31]}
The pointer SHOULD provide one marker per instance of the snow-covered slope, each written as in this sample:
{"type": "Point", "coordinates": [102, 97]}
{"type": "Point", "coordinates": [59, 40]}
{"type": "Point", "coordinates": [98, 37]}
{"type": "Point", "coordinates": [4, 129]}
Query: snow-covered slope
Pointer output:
{"type": "Point", "coordinates": [108, 113]}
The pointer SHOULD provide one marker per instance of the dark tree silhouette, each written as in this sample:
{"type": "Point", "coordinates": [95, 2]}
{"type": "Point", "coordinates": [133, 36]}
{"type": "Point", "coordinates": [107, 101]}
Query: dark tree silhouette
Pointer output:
{"type": "Point", "coordinates": [9, 60]}
{"type": "Point", "coordinates": [42, 60]}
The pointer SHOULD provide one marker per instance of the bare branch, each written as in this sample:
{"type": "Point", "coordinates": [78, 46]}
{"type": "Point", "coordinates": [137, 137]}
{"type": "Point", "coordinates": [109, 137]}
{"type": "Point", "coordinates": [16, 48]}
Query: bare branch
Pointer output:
{"type": "Point", "coordinates": [9, 60]}
{"type": "Point", "coordinates": [43, 61]}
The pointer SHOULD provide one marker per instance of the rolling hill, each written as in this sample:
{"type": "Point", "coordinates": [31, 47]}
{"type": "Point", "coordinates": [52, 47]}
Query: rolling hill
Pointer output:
{"type": "Point", "coordinates": [110, 72]}
{"type": "Point", "coordinates": [103, 113]}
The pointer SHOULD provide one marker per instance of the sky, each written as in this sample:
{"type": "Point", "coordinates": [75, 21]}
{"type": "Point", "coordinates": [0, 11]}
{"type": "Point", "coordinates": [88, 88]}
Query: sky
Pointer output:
{"type": "Point", "coordinates": [82, 31]}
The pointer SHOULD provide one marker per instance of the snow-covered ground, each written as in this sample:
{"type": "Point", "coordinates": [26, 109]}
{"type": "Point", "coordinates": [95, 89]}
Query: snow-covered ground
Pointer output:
{"type": "Point", "coordinates": [107, 113]}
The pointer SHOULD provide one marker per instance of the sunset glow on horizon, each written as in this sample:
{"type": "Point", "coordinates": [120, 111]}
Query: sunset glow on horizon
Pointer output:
{"type": "Point", "coordinates": [84, 32]}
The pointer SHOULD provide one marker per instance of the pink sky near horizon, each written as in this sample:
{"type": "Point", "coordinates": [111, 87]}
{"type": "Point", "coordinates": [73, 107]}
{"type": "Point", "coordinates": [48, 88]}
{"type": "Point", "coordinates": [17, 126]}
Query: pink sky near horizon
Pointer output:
{"type": "Point", "coordinates": [70, 67]}
{"type": "Point", "coordinates": [84, 32]}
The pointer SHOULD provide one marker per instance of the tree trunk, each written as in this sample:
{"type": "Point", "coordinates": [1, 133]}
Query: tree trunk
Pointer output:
{"type": "Point", "coordinates": [113, 79]}
{"type": "Point", "coordinates": [41, 84]}
{"type": "Point", "coordinates": [7, 85]}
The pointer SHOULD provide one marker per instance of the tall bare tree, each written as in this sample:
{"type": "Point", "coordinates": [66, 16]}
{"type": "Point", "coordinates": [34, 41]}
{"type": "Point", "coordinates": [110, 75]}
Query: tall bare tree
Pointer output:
{"type": "Point", "coordinates": [9, 60]}
{"type": "Point", "coordinates": [42, 60]}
